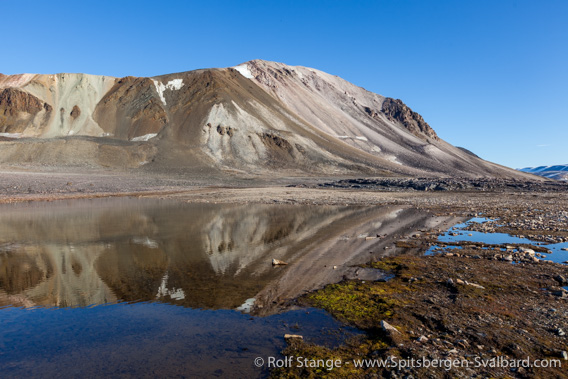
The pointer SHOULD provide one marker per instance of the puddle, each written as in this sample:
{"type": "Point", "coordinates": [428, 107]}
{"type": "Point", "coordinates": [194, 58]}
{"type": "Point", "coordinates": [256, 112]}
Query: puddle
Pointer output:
{"type": "Point", "coordinates": [152, 287]}
{"type": "Point", "coordinates": [458, 234]}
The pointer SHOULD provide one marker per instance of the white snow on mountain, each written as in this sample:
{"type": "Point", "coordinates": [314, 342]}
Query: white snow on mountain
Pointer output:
{"type": "Point", "coordinates": [557, 172]}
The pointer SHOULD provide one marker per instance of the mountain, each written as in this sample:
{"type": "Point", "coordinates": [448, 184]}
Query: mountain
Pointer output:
{"type": "Point", "coordinates": [259, 117]}
{"type": "Point", "coordinates": [558, 172]}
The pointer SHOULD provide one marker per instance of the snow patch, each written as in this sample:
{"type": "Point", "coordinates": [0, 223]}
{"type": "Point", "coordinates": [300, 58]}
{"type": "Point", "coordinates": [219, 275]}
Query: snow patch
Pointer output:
{"type": "Point", "coordinates": [144, 138]}
{"type": "Point", "coordinates": [244, 70]}
{"type": "Point", "coordinates": [393, 159]}
{"type": "Point", "coordinates": [361, 138]}
{"type": "Point", "coordinates": [174, 84]}
{"type": "Point", "coordinates": [11, 135]}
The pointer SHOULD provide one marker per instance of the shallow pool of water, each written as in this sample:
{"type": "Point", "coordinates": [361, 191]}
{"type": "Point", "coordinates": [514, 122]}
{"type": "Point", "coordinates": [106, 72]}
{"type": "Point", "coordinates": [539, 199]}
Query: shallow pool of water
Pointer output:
{"type": "Point", "coordinates": [558, 255]}
{"type": "Point", "coordinates": [158, 288]}
{"type": "Point", "coordinates": [150, 339]}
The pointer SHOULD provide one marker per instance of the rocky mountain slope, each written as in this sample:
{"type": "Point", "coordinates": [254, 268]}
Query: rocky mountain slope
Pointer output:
{"type": "Point", "coordinates": [260, 117]}
{"type": "Point", "coordinates": [558, 172]}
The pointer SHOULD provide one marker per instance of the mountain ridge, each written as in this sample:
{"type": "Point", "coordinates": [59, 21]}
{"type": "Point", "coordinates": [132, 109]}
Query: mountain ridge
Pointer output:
{"type": "Point", "coordinates": [556, 172]}
{"type": "Point", "coordinates": [258, 117]}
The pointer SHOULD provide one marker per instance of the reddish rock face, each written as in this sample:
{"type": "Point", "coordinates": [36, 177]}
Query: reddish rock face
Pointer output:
{"type": "Point", "coordinates": [131, 109]}
{"type": "Point", "coordinates": [13, 101]}
{"type": "Point", "coordinates": [76, 112]}
{"type": "Point", "coordinates": [18, 108]}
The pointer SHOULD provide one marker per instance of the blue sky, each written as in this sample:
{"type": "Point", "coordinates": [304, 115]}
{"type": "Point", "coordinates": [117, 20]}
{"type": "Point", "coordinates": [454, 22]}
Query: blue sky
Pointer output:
{"type": "Point", "coordinates": [491, 76]}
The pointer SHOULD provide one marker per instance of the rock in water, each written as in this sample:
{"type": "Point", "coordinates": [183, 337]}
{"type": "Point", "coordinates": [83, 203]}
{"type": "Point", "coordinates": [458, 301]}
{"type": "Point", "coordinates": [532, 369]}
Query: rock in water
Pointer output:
{"type": "Point", "coordinates": [293, 336]}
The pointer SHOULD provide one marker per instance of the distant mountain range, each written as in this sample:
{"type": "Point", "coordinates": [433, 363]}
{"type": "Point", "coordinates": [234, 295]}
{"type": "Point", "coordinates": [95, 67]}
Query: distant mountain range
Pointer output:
{"type": "Point", "coordinates": [558, 172]}
{"type": "Point", "coordinates": [259, 117]}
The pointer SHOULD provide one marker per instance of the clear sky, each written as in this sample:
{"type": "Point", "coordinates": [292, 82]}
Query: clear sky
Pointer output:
{"type": "Point", "coordinates": [488, 75]}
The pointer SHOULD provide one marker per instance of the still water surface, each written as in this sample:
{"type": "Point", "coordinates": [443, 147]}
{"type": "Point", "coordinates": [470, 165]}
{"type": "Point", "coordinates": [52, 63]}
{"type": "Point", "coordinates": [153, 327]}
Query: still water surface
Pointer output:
{"type": "Point", "coordinates": [157, 288]}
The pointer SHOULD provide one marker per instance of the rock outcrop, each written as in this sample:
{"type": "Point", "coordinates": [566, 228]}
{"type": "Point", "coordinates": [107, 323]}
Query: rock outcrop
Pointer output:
{"type": "Point", "coordinates": [397, 111]}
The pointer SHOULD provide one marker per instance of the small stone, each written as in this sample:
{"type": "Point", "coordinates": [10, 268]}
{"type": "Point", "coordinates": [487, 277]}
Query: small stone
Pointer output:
{"type": "Point", "coordinates": [561, 279]}
{"type": "Point", "coordinates": [508, 258]}
{"type": "Point", "coordinates": [389, 328]}
{"type": "Point", "coordinates": [422, 339]}
{"type": "Point", "coordinates": [276, 262]}
{"type": "Point", "coordinates": [459, 281]}
{"type": "Point", "coordinates": [450, 282]}
{"type": "Point", "coordinates": [564, 355]}
{"type": "Point", "coordinates": [528, 252]}
{"type": "Point", "coordinates": [463, 344]}
{"type": "Point", "coordinates": [370, 238]}
{"type": "Point", "coordinates": [560, 332]}
{"type": "Point", "coordinates": [475, 285]}
{"type": "Point", "coordinates": [293, 336]}
{"type": "Point", "coordinates": [564, 248]}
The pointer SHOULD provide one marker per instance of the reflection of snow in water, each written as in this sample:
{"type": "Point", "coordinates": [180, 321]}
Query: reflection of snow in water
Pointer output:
{"type": "Point", "coordinates": [96, 253]}
{"type": "Point", "coordinates": [146, 241]}
{"type": "Point", "coordinates": [174, 293]}
{"type": "Point", "coordinates": [246, 307]}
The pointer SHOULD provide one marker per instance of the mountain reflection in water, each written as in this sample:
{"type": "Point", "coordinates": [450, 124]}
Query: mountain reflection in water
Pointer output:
{"type": "Point", "coordinates": [74, 254]}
